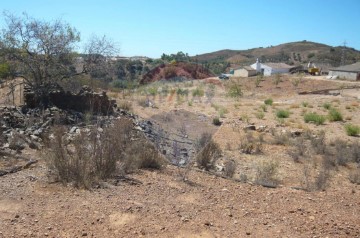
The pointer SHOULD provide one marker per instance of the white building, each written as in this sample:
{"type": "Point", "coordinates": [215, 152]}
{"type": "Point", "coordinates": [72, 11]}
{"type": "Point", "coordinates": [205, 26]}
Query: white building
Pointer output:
{"type": "Point", "coordinates": [268, 69]}
{"type": "Point", "coordinates": [245, 71]}
{"type": "Point", "coordinates": [350, 72]}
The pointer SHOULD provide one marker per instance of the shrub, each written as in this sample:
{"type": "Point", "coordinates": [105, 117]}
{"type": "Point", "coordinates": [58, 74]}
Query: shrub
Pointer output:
{"type": "Point", "coordinates": [268, 101]}
{"type": "Point", "coordinates": [315, 118]}
{"type": "Point", "coordinates": [322, 179]}
{"type": "Point", "coordinates": [327, 105]}
{"type": "Point", "coordinates": [335, 115]}
{"type": "Point", "coordinates": [299, 149]}
{"type": "Point", "coordinates": [318, 143]}
{"type": "Point", "coordinates": [216, 121]}
{"type": "Point", "coordinates": [170, 72]}
{"type": "Point", "coordinates": [143, 102]}
{"type": "Point", "coordinates": [234, 89]}
{"type": "Point", "coordinates": [316, 180]}
{"type": "Point", "coordinates": [354, 176]}
{"type": "Point", "coordinates": [266, 173]}
{"type": "Point", "coordinates": [125, 105]}
{"type": "Point", "coordinates": [251, 145]}
{"type": "Point", "coordinates": [98, 154]}
{"type": "Point", "coordinates": [343, 152]}
{"type": "Point", "coordinates": [281, 138]}
{"type": "Point", "coordinates": [229, 168]}
{"type": "Point", "coordinates": [282, 113]}
{"type": "Point", "coordinates": [142, 154]}
{"type": "Point", "coordinates": [202, 141]}
{"type": "Point", "coordinates": [198, 92]}
{"type": "Point", "coordinates": [352, 130]}
{"type": "Point", "coordinates": [263, 108]}
{"type": "Point", "coordinates": [208, 155]}
{"type": "Point", "coordinates": [260, 115]}
{"type": "Point", "coordinates": [305, 104]}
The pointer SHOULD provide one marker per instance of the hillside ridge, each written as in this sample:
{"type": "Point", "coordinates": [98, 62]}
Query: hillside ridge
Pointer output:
{"type": "Point", "coordinates": [293, 53]}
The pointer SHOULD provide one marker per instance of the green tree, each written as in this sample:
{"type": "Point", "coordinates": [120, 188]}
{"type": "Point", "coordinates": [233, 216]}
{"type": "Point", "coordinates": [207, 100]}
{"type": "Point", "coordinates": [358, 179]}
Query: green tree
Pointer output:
{"type": "Point", "coordinates": [43, 53]}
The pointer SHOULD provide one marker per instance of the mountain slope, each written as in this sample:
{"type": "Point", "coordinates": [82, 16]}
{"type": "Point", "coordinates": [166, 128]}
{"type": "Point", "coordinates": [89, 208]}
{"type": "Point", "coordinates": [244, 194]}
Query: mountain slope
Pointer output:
{"type": "Point", "coordinates": [292, 53]}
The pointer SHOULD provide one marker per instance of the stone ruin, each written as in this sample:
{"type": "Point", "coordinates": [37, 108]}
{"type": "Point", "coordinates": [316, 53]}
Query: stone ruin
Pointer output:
{"type": "Point", "coordinates": [86, 100]}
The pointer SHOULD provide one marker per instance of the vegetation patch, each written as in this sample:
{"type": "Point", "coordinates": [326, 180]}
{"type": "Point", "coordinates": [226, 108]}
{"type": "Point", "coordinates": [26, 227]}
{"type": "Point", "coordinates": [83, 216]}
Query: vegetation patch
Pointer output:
{"type": "Point", "coordinates": [352, 130]}
{"type": "Point", "coordinates": [315, 118]}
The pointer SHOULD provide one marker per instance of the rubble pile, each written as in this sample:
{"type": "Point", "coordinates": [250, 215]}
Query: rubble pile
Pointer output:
{"type": "Point", "coordinates": [85, 100]}
{"type": "Point", "coordinates": [23, 127]}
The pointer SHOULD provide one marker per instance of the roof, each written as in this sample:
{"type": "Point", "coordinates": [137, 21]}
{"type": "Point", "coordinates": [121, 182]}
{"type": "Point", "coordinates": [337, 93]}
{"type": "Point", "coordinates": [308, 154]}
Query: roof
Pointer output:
{"type": "Point", "coordinates": [248, 68]}
{"type": "Point", "coordinates": [348, 68]}
{"type": "Point", "coordinates": [278, 65]}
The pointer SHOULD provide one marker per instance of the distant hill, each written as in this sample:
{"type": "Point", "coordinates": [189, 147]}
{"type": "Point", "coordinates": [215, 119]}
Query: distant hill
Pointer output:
{"type": "Point", "coordinates": [176, 70]}
{"type": "Point", "coordinates": [294, 53]}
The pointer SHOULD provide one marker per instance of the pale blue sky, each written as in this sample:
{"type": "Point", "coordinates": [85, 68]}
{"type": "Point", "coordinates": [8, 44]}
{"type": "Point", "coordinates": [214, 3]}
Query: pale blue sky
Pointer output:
{"type": "Point", "coordinates": [153, 27]}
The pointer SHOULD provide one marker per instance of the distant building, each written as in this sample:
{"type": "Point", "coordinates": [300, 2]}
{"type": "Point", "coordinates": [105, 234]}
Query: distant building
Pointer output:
{"type": "Point", "coordinates": [268, 69]}
{"type": "Point", "coordinates": [245, 71]}
{"type": "Point", "coordinates": [350, 72]}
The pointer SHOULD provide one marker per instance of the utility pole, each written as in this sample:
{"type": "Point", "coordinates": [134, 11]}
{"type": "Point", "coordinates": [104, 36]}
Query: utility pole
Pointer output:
{"type": "Point", "coordinates": [343, 54]}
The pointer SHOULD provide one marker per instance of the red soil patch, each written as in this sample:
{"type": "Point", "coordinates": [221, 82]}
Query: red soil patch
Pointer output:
{"type": "Point", "coordinates": [179, 69]}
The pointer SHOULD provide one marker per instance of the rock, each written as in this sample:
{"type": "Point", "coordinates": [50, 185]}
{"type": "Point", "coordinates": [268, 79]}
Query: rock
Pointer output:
{"type": "Point", "coordinates": [250, 127]}
{"type": "Point", "coordinates": [296, 133]}
{"type": "Point", "coordinates": [261, 128]}
{"type": "Point", "coordinates": [73, 129]}
{"type": "Point", "coordinates": [35, 138]}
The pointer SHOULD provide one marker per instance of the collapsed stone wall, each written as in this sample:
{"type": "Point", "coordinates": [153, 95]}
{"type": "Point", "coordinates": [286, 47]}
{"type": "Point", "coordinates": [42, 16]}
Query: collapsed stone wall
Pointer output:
{"type": "Point", "coordinates": [84, 101]}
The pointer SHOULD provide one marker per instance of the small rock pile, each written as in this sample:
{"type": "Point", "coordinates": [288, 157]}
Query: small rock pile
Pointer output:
{"type": "Point", "coordinates": [22, 127]}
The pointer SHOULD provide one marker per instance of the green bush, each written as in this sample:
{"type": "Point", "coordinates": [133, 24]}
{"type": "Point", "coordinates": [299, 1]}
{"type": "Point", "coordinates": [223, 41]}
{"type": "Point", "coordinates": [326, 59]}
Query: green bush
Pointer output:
{"type": "Point", "coordinates": [305, 104]}
{"type": "Point", "coordinates": [234, 90]}
{"type": "Point", "coordinates": [198, 92]}
{"type": "Point", "coordinates": [216, 121]}
{"type": "Point", "coordinates": [352, 130]}
{"type": "Point", "coordinates": [335, 115]}
{"type": "Point", "coordinates": [327, 105]}
{"type": "Point", "coordinates": [268, 101]}
{"type": "Point", "coordinates": [314, 117]}
{"type": "Point", "coordinates": [283, 113]}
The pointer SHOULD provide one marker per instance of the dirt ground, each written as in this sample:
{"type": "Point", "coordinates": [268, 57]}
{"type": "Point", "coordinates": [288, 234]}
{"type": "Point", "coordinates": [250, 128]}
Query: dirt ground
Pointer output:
{"type": "Point", "coordinates": [159, 204]}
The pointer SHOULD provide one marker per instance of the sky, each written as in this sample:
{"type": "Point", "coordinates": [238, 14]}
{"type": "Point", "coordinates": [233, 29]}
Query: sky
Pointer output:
{"type": "Point", "coordinates": [153, 27]}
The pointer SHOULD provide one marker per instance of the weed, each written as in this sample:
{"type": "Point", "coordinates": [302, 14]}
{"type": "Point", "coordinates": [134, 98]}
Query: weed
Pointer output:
{"type": "Point", "coordinates": [268, 101]}
{"type": "Point", "coordinates": [327, 105]}
{"type": "Point", "coordinates": [125, 105]}
{"type": "Point", "coordinates": [335, 115]}
{"type": "Point", "coordinates": [305, 104]}
{"type": "Point", "coordinates": [318, 143]}
{"type": "Point", "coordinates": [202, 141]}
{"type": "Point", "coordinates": [234, 89]}
{"type": "Point", "coordinates": [216, 121]}
{"type": "Point", "coordinates": [266, 173]}
{"type": "Point", "coordinates": [198, 92]}
{"type": "Point", "coordinates": [260, 115]}
{"type": "Point", "coordinates": [352, 130]}
{"type": "Point", "coordinates": [315, 118]}
{"type": "Point", "coordinates": [354, 176]}
{"type": "Point", "coordinates": [281, 138]}
{"type": "Point", "coordinates": [208, 155]}
{"type": "Point", "coordinates": [143, 102]}
{"type": "Point", "coordinates": [299, 149]}
{"type": "Point", "coordinates": [95, 154]}
{"type": "Point", "coordinates": [251, 145]}
{"type": "Point", "coordinates": [263, 108]}
{"type": "Point", "coordinates": [282, 113]}
{"type": "Point", "coordinates": [229, 168]}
